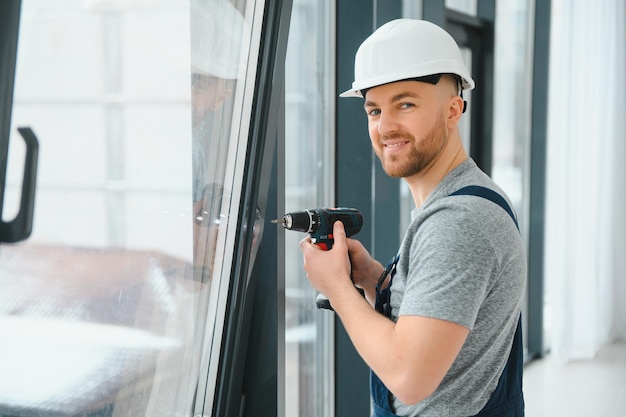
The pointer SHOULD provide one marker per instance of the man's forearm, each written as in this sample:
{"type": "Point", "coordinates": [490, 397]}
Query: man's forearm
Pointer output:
{"type": "Point", "coordinates": [411, 356]}
{"type": "Point", "coordinates": [369, 285]}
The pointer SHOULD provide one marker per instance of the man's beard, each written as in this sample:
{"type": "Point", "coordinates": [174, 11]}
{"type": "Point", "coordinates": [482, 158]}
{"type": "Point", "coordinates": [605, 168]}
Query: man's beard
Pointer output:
{"type": "Point", "coordinates": [421, 154]}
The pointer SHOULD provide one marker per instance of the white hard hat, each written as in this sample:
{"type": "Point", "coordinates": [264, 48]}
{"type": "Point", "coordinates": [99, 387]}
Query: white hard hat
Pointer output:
{"type": "Point", "coordinates": [405, 49]}
{"type": "Point", "coordinates": [220, 38]}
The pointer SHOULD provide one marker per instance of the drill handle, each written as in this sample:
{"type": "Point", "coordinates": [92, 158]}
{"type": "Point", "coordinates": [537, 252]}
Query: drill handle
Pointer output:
{"type": "Point", "coordinates": [323, 303]}
{"type": "Point", "coordinates": [324, 241]}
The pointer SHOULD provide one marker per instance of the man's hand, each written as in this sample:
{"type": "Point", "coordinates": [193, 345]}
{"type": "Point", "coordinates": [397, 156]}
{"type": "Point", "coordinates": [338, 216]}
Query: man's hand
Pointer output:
{"type": "Point", "coordinates": [348, 256]}
{"type": "Point", "coordinates": [328, 271]}
{"type": "Point", "coordinates": [365, 269]}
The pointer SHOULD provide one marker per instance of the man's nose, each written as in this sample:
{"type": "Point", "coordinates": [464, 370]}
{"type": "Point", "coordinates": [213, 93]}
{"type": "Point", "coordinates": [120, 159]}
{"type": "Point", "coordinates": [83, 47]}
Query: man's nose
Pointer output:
{"type": "Point", "coordinates": [387, 124]}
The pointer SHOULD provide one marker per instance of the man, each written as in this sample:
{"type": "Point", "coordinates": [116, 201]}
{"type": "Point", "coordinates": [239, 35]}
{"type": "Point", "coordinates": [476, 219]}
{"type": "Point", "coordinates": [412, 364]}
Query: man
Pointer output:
{"type": "Point", "coordinates": [220, 39]}
{"type": "Point", "coordinates": [448, 340]}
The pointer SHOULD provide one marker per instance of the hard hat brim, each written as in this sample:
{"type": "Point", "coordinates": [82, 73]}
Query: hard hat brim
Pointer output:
{"type": "Point", "coordinates": [356, 92]}
{"type": "Point", "coordinates": [351, 93]}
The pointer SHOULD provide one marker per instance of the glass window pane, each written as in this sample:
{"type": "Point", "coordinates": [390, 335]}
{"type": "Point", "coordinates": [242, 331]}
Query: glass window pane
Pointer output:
{"type": "Point", "coordinates": [512, 105]}
{"type": "Point", "coordinates": [221, 97]}
{"type": "Point", "coordinates": [104, 310]}
{"type": "Point", "coordinates": [220, 38]}
{"type": "Point", "coordinates": [512, 89]}
{"type": "Point", "coordinates": [308, 174]}
{"type": "Point", "coordinates": [97, 307]}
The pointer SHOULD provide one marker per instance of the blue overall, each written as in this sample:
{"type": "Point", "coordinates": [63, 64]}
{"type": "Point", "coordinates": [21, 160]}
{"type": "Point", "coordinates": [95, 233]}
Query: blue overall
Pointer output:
{"type": "Point", "coordinates": [508, 399]}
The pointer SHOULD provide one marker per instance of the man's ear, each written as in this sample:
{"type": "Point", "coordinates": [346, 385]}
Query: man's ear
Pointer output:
{"type": "Point", "coordinates": [456, 106]}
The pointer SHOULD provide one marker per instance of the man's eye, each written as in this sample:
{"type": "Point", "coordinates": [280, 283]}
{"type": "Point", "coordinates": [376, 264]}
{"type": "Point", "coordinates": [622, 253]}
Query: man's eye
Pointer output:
{"type": "Point", "coordinates": [407, 105]}
{"type": "Point", "coordinates": [374, 112]}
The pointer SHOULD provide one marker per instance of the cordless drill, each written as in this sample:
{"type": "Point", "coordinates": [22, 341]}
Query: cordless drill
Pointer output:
{"type": "Point", "coordinates": [319, 223]}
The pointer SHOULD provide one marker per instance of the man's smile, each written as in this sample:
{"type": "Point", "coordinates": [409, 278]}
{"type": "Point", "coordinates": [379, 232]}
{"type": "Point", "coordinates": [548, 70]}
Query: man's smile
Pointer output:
{"type": "Point", "coordinates": [395, 145]}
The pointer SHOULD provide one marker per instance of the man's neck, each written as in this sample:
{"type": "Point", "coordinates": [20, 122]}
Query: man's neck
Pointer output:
{"type": "Point", "coordinates": [422, 184]}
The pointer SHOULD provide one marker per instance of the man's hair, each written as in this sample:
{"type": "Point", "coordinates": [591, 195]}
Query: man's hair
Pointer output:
{"type": "Point", "coordinates": [454, 81]}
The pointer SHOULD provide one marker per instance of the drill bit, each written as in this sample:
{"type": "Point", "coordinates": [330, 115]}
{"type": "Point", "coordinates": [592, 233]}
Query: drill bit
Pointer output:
{"type": "Point", "coordinates": [286, 221]}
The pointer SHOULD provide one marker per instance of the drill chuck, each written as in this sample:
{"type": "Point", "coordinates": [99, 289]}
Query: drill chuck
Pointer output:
{"type": "Point", "coordinates": [307, 221]}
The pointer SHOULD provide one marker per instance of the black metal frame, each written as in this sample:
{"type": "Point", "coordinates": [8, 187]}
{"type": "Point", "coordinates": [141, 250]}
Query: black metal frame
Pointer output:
{"type": "Point", "coordinates": [250, 370]}
{"type": "Point", "coordinates": [21, 226]}
{"type": "Point", "coordinates": [9, 32]}
{"type": "Point", "coordinates": [538, 157]}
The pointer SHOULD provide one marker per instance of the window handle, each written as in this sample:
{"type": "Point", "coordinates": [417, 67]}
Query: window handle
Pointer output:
{"type": "Point", "coordinates": [21, 226]}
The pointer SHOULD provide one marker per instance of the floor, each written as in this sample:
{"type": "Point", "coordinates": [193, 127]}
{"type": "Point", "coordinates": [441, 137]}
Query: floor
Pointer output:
{"type": "Point", "coordinates": [578, 389]}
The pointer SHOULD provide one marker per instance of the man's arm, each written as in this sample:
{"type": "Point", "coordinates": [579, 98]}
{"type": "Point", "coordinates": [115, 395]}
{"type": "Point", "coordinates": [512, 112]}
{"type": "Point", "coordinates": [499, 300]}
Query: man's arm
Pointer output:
{"type": "Point", "coordinates": [411, 356]}
{"type": "Point", "coordinates": [365, 270]}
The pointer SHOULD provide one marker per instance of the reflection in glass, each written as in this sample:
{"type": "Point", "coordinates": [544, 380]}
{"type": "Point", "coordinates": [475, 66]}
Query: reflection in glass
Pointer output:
{"type": "Point", "coordinates": [218, 31]}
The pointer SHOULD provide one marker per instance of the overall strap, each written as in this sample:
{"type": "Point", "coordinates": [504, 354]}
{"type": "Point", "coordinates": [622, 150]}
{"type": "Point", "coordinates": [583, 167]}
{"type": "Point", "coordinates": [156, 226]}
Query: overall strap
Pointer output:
{"type": "Point", "coordinates": [508, 399]}
{"type": "Point", "coordinates": [490, 195]}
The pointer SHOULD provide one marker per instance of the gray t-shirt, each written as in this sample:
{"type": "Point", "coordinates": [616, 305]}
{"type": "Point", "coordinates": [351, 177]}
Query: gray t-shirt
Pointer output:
{"type": "Point", "coordinates": [462, 260]}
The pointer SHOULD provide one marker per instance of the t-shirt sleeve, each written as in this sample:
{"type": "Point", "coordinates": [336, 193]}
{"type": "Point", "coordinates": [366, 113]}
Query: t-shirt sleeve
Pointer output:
{"type": "Point", "coordinates": [452, 264]}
